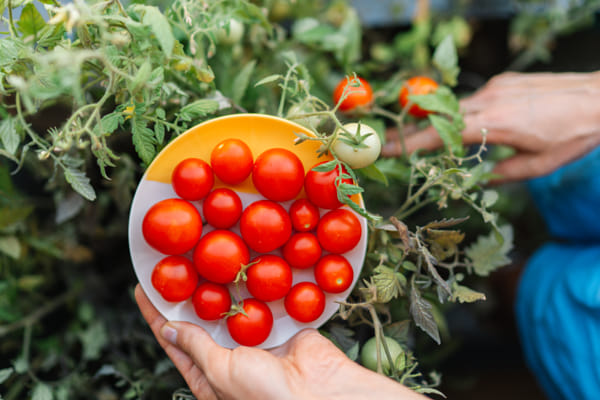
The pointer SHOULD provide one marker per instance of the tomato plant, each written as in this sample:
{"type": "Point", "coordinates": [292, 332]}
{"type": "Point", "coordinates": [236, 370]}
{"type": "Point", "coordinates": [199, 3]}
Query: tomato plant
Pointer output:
{"type": "Point", "coordinates": [253, 326]}
{"type": "Point", "coordinates": [333, 273]}
{"type": "Point", "coordinates": [339, 231]}
{"type": "Point", "coordinates": [369, 354]}
{"type": "Point", "coordinates": [211, 301]}
{"type": "Point", "coordinates": [358, 145]}
{"type": "Point", "coordinates": [278, 174]}
{"type": "Point", "coordinates": [222, 208]}
{"type": "Point", "coordinates": [265, 226]}
{"type": "Point", "coordinates": [220, 255]}
{"type": "Point", "coordinates": [230, 32]}
{"type": "Point", "coordinates": [302, 250]}
{"type": "Point", "coordinates": [172, 226]}
{"type": "Point", "coordinates": [175, 278]}
{"type": "Point", "coordinates": [416, 85]}
{"type": "Point", "coordinates": [192, 179]}
{"type": "Point", "coordinates": [305, 302]}
{"type": "Point", "coordinates": [232, 161]}
{"type": "Point", "coordinates": [322, 187]}
{"type": "Point", "coordinates": [269, 277]}
{"type": "Point", "coordinates": [358, 94]}
{"type": "Point", "coordinates": [304, 215]}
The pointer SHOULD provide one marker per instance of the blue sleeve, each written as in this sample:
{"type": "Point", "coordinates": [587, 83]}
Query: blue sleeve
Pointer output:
{"type": "Point", "coordinates": [569, 199]}
{"type": "Point", "coordinates": [558, 299]}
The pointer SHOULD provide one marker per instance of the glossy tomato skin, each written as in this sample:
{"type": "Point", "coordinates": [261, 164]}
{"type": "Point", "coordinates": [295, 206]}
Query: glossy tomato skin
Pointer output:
{"type": "Point", "coordinates": [321, 187]}
{"type": "Point", "coordinates": [278, 174]}
{"type": "Point", "coordinates": [339, 231]}
{"type": "Point", "coordinates": [305, 302]}
{"type": "Point", "coordinates": [269, 277]}
{"type": "Point", "coordinates": [211, 301]}
{"type": "Point", "coordinates": [232, 161]}
{"type": "Point", "coordinates": [175, 278]}
{"type": "Point", "coordinates": [333, 273]}
{"type": "Point", "coordinates": [360, 96]}
{"type": "Point", "coordinates": [416, 85]}
{"type": "Point", "coordinates": [172, 226]}
{"type": "Point", "coordinates": [265, 226]}
{"type": "Point", "coordinates": [304, 215]}
{"type": "Point", "coordinates": [253, 328]}
{"type": "Point", "coordinates": [192, 179]}
{"type": "Point", "coordinates": [357, 156]}
{"type": "Point", "coordinates": [302, 250]}
{"type": "Point", "coordinates": [220, 255]}
{"type": "Point", "coordinates": [222, 208]}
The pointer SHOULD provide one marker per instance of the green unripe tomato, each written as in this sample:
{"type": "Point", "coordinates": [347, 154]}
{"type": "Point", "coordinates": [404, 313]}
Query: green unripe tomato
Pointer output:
{"type": "Point", "coordinates": [354, 154]}
{"type": "Point", "coordinates": [230, 32]}
{"type": "Point", "coordinates": [368, 354]}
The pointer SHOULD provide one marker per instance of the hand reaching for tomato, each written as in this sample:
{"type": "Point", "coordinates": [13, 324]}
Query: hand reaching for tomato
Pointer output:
{"type": "Point", "coordinates": [308, 366]}
{"type": "Point", "coordinates": [550, 119]}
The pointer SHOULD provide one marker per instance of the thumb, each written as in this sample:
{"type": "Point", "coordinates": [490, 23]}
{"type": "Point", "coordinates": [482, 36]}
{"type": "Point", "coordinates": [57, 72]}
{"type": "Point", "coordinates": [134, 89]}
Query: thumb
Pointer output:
{"type": "Point", "coordinates": [195, 342]}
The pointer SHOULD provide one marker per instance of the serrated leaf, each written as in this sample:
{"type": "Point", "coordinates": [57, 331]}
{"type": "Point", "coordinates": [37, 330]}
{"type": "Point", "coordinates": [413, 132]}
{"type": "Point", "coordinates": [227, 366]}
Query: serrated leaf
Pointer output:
{"type": "Point", "coordinates": [421, 311]}
{"type": "Point", "coordinates": [110, 122]}
{"type": "Point", "coordinates": [268, 79]}
{"type": "Point", "coordinates": [31, 21]}
{"type": "Point", "coordinates": [197, 109]}
{"type": "Point", "coordinates": [9, 136]}
{"type": "Point", "coordinates": [143, 140]}
{"type": "Point", "coordinates": [10, 246]}
{"type": "Point", "coordinates": [449, 133]}
{"type": "Point", "coordinates": [10, 50]}
{"type": "Point", "coordinates": [445, 59]}
{"type": "Point", "coordinates": [241, 81]}
{"type": "Point", "coordinates": [465, 295]}
{"type": "Point", "coordinates": [398, 331]}
{"type": "Point", "coordinates": [389, 284]}
{"type": "Point", "coordinates": [159, 25]}
{"type": "Point", "coordinates": [5, 373]}
{"type": "Point", "coordinates": [325, 167]}
{"type": "Point", "coordinates": [159, 132]}
{"type": "Point", "coordinates": [349, 189]}
{"type": "Point", "coordinates": [141, 77]}
{"type": "Point", "coordinates": [490, 252]}
{"type": "Point", "coordinates": [80, 183]}
{"type": "Point", "coordinates": [41, 391]}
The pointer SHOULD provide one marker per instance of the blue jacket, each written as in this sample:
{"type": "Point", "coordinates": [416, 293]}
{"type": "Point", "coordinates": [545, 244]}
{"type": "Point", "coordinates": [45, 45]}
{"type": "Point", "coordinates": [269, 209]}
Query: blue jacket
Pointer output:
{"type": "Point", "coordinates": [558, 299]}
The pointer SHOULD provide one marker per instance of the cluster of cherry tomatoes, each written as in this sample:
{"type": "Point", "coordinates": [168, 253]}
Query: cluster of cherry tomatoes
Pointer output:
{"type": "Point", "coordinates": [271, 244]}
{"type": "Point", "coordinates": [362, 96]}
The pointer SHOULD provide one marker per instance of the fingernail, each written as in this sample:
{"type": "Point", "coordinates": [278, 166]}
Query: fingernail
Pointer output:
{"type": "Point", "coordinates": [169, 333]}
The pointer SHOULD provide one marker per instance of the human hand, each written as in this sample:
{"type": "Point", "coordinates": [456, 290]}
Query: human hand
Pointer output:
{"type": "Point", "coordinates": [308, 366]}
{"type": "Point", "coordinates": [550, 119]}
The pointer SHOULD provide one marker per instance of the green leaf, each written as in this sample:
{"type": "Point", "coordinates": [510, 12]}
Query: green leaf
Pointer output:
{"type": "Point", "coordinates": [441, 101]}
{"type": "Point", "coordinates": [10, 246]}
{"type": "Point", "coordinates": [268, 79]}
{"type": "Point", "coordinates": [351, 31]}
{"type": "Point", "coordinates": [31, 21]}
{"type": "Point", "coordinates": [11, 215]}
{"type": "Point", "coordinates": [446, 60]}
{"type": "Point", "coordinates": [490, 252]}
{"type": "Point", "coordinates": [197, 109]}
{"type": "Point", "coordinates": [5, 373]}
{"type": "Point", "coordinates": [159, 24]}
{"type": "Point", "coordinates": [389, 284]}
{"type": "Point", "coordinates": [449, 133]}
{"type": "Point", "coordinates": [11, 50]}
{"type": "Point", "coordinates": [374, 173]}
{"type": "Point", "coordinates": [41, 391]}
{"type": "Point", "coordinates": [110, 122]}
{"type": "Point", "coordinates": [93, 340]}
{"type": "Point", "coordinates": [143, 140]}
{"type": "Point", "coordinates": [352, 352]}
{"type": "Point", "coordinates": [9, 136]}
{"type": "Point", "coordinates": [421, 311]}
{"type": "Point", "coordinates": [325, 167]}
{"type": "Point", "coordinates": [489, 198]}
{"type": "Point", "coordinates": [141, 77]}
{"type": "Point", "coordinates": [80, 183]}
{"type": "Point", "coordinates": [349, 189]}
{"type": "Point", "coordinates": [241, 81]}
{"type": "Point", "coordinates": [465, 295]}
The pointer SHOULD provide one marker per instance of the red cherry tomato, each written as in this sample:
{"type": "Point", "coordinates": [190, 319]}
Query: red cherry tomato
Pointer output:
{"type": "Point", "coordinates": [231, 161]}
{"type": "Point", "coordinates": [339, 231]}
{"type": "Point", "coordinates": [175, 278]}
{"type": "Point", "coordinates": [269, 278]}
{"type": "Point", "coordinates": [253, 328]}
{"type": "Point", "coordinates": [211, 301]}
{"type": "Point", "coordinates": [304, 215]}
{"type": "Point", "coordinates": [416, 85]}
{"type": "Point", "coordinates": [302, 250]}
{"type": "Point", "coordinates": [172, 226]}
{"type": "Point", "coordinates": [220, 255]}
{"type": "Point", "coordinates": [265, 226]}
{"type": "Point", "coordinates": [334, 273]}
{"type": "Point", "coordinates": [278, 174]}
{"type": "Point", "coordinates": [359, 96]}
{"type": "Point", "coordinates": [321, 187]}
{"type": "Point", "coordinates": [222, 208]}
{"type": "Point", "coordinates": [192, 179]}
{"type": "Point", "coordinates": [305, 302]}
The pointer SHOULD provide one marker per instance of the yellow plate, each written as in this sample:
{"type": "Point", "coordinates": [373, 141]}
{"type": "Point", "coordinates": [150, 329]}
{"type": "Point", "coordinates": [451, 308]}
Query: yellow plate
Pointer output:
{"type": "Point", "coordinates": [260, 132]}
